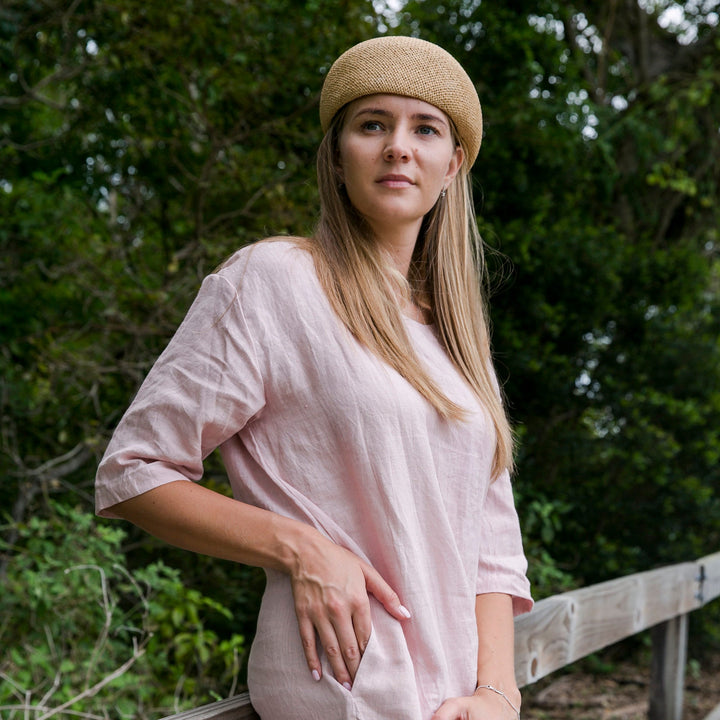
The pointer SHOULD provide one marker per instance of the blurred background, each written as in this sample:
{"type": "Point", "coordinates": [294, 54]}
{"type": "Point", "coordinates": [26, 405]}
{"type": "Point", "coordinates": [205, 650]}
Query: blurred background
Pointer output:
{"type": "Point", "coordinates": [143, 142]}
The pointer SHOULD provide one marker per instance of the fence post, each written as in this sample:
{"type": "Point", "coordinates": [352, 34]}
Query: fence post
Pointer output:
{"type": "Point", "coordinates": [667, 679]}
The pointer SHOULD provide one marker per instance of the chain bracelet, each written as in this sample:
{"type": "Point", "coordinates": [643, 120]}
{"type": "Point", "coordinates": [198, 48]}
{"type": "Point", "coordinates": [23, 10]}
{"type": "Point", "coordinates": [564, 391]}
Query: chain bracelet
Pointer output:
{"type": "Point", "coordinates": [502, 695]}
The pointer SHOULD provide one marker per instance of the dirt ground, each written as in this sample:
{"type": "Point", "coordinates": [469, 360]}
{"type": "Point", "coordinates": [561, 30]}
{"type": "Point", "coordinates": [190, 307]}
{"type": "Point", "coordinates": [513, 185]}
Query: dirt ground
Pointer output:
{"type": "Point", "coordinates": [616, 691]}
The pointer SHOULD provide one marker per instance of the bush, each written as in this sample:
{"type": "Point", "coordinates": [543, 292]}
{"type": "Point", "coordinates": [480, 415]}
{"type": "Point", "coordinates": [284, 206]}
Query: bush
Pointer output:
{"type": "Point", "coordinates": [82, 634]}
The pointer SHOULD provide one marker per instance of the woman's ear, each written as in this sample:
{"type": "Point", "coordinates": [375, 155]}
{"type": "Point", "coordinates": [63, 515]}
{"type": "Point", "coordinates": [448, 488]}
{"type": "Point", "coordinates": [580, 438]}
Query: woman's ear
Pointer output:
{"type": "Point", "coordinates": [456, 162]}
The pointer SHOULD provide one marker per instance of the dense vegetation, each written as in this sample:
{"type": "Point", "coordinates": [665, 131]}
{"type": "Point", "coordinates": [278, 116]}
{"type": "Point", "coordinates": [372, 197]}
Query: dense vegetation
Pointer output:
{"type": "Point", "coordinates": [141, 143]}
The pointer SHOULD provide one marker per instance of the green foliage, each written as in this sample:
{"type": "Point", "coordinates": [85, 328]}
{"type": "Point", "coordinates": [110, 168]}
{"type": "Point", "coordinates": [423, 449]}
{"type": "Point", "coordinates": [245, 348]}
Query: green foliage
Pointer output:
{"type": "Point", "coordinates": [81, 632]}
{"type": "Point", "coordinates": [141, 144]}
{"type": "Point", "coordinates": [543, 519]}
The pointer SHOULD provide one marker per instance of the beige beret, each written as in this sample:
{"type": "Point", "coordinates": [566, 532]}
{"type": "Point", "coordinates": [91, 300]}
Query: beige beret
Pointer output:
{"type": "Point", "coordinates": [399, 65]}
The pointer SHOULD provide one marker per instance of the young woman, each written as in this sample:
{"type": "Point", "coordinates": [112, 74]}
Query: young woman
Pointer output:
{"type": "Point", "coordinates": [348, 382]}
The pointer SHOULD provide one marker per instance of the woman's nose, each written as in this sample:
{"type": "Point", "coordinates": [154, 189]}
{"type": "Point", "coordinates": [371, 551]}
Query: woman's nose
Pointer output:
{"type": "Point", "coordinates": [397, 147]}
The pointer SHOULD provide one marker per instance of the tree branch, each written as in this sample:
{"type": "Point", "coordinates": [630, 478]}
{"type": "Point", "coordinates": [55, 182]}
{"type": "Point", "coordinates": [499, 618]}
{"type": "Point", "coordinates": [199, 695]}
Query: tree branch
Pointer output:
{"type": "Point", "coordinates": [60, 466]}
{"type": "Point", "coordinates": [577, 51]}
{"type": "Point", "coordinates": [138, 652]}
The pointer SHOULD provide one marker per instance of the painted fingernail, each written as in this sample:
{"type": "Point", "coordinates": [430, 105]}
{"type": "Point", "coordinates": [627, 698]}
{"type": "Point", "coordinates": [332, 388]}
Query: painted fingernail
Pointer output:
{"type": "Point", "coordinates": [404, 611]}
{"type": "Point", "coordinates": [347, 686]}
{"type": "Point", "coordinates": [316, 675]}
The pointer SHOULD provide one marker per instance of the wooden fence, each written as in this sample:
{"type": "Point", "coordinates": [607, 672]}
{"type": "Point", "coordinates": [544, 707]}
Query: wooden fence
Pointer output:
{"type": "Point", "coordinates": [567, 627]}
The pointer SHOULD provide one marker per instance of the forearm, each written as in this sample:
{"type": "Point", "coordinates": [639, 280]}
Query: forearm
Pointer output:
{"type": "Point", "coordinates": [496, 644]}
{"type": "Point", "coordinates": [195, 518]}
{"type": "Point", "coordinates": [330, 584]}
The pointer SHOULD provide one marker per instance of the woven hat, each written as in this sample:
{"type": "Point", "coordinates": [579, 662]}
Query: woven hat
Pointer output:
{"type": "Point", "coordinates": [399, 65]}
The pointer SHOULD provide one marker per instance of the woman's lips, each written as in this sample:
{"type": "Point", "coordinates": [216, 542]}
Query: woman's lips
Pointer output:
{"type": "Point", "coordinates": [393, 180]}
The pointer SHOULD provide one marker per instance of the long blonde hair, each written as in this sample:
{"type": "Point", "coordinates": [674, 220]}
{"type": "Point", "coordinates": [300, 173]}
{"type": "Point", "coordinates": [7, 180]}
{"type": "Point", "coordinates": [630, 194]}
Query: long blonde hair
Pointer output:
{"type": "Point", "coordinates": [445, 278]}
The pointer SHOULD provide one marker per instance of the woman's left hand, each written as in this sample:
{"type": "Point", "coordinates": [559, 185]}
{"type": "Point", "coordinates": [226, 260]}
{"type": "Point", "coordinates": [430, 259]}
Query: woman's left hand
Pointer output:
{"type": "Point", "coordinates": [483, 706]}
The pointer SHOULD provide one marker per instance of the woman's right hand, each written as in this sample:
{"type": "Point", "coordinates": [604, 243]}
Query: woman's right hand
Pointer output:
{"type": "Point", "coordinates": [331, 586]}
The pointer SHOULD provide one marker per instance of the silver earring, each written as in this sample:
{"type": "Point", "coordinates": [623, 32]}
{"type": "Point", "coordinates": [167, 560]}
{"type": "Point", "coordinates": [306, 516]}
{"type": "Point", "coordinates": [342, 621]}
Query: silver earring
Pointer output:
{"type": "Point", "coordinates": [443, 193]}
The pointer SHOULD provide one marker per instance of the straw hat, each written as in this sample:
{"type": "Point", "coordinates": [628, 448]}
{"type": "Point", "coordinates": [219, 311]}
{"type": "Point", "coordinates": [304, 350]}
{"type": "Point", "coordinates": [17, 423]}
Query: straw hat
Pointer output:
{"type": "Point", "coordinates": [399, 65]}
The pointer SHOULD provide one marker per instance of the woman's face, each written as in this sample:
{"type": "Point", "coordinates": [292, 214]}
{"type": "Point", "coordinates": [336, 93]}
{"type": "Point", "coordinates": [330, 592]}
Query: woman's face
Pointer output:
{"type": "Point", "coordinates": [396, 156]}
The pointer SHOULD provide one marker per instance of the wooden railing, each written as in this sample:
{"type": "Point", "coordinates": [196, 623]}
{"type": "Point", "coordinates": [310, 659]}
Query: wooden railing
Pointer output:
{"type": "Point", "coordinates": [567, 627]}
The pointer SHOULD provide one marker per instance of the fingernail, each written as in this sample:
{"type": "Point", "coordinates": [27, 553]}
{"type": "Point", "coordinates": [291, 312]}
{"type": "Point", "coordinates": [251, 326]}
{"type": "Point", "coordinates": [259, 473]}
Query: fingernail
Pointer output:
{"type": "Point", "coordinates": [404, 611]}
{"type": "Point", "coordinates": [316, 675]}
{"type": "Point", "coordinates": [347, 686]}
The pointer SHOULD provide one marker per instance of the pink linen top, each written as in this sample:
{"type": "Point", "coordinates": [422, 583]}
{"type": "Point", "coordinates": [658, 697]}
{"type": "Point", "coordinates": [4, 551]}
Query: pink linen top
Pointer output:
{"type": "Point", "coordinates": [312, 425]}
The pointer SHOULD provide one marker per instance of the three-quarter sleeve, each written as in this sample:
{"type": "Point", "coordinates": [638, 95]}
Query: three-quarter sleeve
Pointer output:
{"type": "Point", "coordinates": [203, 389]}
{"type": "Point", "coordinates": [503, 565]}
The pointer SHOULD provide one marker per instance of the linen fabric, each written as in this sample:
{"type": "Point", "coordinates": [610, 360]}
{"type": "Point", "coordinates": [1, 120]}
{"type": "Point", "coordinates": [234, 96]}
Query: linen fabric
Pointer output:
{"type": "Point", "coordinates": [313, 426]}
{"type": "Point", "coordinates": [400, 65]}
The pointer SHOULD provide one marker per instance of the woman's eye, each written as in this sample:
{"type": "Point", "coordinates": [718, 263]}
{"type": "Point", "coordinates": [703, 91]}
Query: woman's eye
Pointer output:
{"type": "Point", "coordinates": [371, 125]}
{"type": "Point", "coordinates": [427, 130]}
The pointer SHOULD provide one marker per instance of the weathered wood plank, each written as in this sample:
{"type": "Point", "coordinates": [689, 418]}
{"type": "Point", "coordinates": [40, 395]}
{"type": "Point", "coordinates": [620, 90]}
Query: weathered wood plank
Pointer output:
{"type": "Point", "coordinates": [667, 674]}
{"type": "Point", "coordinates": [567, 627]}
{"type": "Point", "coordinates": [711, 584]}
{"type": "Point", "coordinates": [617, 609]}
{"type": "Point", "coordinates": [542, 639]}
{"type": "Point", "coordinates": [234, 708]}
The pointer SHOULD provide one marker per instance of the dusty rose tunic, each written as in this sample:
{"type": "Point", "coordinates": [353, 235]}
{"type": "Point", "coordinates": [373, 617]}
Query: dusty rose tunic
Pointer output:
{"type": "Point", "coordinates": [313, 426]}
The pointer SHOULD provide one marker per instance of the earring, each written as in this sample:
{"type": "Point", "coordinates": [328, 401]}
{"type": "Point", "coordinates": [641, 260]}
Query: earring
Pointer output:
{"type": "Point", "coordinates": [443, 193]}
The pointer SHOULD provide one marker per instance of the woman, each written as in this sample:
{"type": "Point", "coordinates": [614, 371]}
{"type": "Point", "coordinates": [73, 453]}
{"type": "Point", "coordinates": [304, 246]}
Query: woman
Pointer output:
{"type": "Point", "coordinates": [347, 380]}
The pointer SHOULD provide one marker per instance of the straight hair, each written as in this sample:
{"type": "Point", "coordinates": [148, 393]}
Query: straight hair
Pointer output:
{"type": "Point", "coordinates": [445, 278]}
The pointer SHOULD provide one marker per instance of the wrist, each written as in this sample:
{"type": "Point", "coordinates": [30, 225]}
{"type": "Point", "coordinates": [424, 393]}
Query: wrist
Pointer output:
{"type": "Point", "coordinates": [510, 687]}
{"type": "Point", "coordinates": [288, 540]}
{"type": "Point", "coordinates": [509, 693]}
{"type": "Point", "coordinates": [295, 543]}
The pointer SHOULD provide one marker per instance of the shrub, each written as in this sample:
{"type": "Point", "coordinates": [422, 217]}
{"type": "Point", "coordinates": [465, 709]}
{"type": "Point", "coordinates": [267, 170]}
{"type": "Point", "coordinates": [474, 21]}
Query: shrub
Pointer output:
{"type": "Point", "coordinates": [82, 635]}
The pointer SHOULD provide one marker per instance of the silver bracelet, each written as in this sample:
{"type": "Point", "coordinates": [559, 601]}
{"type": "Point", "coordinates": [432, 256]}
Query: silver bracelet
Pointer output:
{"type": "Point", "coordinates": [502, 695]}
